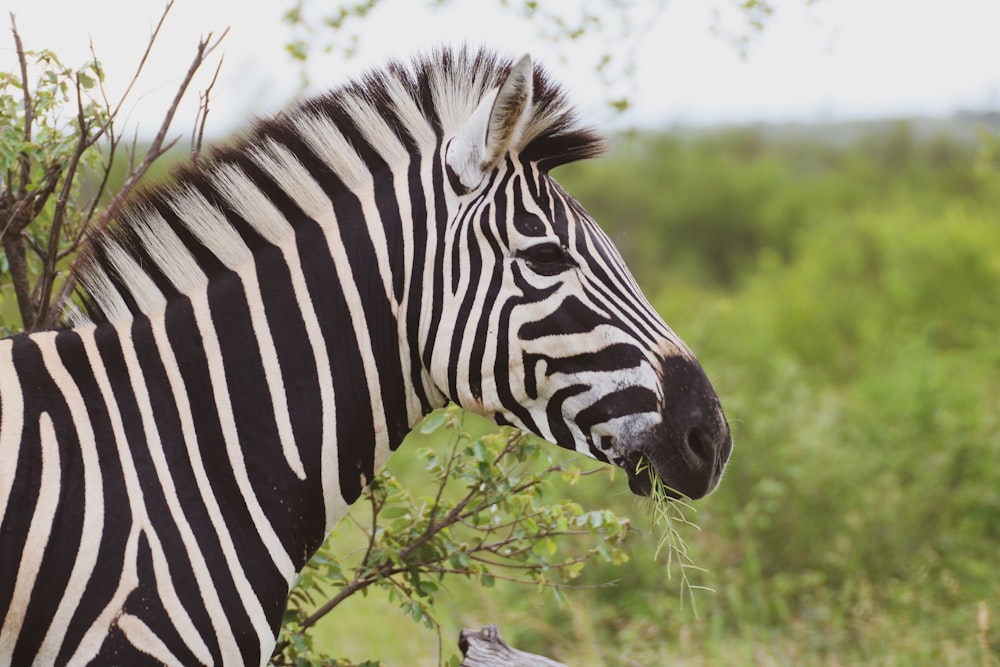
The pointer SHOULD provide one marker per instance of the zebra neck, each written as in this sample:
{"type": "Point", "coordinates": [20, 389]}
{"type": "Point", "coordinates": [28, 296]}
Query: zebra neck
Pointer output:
{"type": "Point", "coordinates": [290, 291]}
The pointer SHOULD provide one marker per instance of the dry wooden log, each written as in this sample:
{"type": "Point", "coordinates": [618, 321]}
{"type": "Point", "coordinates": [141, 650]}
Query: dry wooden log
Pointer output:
{"type": "Point", "coordinates": [487, 648]}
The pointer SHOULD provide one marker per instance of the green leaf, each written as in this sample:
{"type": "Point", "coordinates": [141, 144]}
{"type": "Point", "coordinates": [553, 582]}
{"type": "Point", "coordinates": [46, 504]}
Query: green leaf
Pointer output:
{"type": "Point", "coordinates": [432, 422]}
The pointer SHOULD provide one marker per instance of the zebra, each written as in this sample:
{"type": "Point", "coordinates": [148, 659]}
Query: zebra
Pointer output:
{"type": "Point", "coordinates": [258, 334]}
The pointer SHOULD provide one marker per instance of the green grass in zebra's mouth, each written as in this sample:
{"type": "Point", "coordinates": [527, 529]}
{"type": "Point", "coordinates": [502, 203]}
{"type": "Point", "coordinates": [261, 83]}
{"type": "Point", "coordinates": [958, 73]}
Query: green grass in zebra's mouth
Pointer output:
{"type": "Point", "coordinates": [645, 480]}
{"type": "Point", "coordinates": [668, 508]}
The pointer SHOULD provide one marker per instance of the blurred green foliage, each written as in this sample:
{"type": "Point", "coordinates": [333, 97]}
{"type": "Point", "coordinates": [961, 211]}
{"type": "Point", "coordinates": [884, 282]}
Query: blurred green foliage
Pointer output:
{"type": "Point", "coordinates": [845, 299]}
{"type": "Point", "coordinates": [50, 128]}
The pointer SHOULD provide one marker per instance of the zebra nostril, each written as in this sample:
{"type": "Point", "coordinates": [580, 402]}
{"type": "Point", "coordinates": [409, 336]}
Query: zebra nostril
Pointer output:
{"type": "Point", "coordinates": [699, 445]}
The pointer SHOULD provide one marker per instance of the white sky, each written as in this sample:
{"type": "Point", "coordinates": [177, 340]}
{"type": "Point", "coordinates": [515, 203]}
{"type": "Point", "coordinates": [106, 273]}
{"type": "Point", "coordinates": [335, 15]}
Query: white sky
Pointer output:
{"type": "Point", "coordinates": [834, 59]}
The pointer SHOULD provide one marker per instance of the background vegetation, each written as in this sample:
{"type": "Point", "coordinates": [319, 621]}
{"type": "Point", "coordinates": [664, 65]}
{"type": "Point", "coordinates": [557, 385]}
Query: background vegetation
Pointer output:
{"type": "Point", "coordinates": [844, 295]}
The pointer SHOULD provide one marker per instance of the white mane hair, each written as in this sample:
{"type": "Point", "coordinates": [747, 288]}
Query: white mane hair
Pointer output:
{"type": "Point", "coordinates": [169, 236]}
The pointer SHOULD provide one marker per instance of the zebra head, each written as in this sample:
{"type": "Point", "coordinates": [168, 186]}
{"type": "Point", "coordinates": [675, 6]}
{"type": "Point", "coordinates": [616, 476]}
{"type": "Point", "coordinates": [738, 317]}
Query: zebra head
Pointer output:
{"type": "Point", "coordinates": [550, 331]}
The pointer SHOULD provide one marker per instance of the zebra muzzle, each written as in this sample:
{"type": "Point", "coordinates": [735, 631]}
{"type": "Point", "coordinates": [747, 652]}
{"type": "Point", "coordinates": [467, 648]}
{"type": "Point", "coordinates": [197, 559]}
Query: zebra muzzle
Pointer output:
{"type": "Point", "coordinates": [688, 450]}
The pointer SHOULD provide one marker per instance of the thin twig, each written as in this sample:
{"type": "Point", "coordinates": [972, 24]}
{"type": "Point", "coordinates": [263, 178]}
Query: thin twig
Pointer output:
{"type": "Point", "coordinates": [198, 133]}
{"type": "Point", "coordinates": [113, 140]}
{"type": "Point", "coordinates": [447, 471]}
{"type": "Point", "coordinates": [145, 57]}
{"type": "Point", "coordinates": [156, 148]}
{"type": "Point", "coordinates": [29, 109]}
{"type": "Point", "coordinates": [85, 140]}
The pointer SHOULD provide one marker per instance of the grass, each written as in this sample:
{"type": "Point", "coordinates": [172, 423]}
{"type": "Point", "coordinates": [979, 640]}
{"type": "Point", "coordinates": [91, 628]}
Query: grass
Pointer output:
{"type": "Point", "coordinates": [668, 516]}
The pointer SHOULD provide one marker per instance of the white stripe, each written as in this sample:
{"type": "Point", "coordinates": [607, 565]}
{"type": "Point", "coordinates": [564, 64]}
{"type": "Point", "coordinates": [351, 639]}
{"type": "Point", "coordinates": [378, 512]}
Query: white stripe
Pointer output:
{"type": "Point", "coordinates": [457, 90]}
{"type": "Point", "coordinates": [243, 195]}
{"type": "Point", "coordinates": [147, 295]}
{"type": "Point", "coordinates": [260, 212]}
{"type": "Point", "coordinates": [37, 539]}
{"type": "Point", "coordinates": [230, 435]}
{"type": "Point", "coordinates": [169, 253]}
{"type": "Point", "coordinates": [234, 567]}
{"type": "Point", "coordinates": [11, 422]}
{"type": "Point", "coordinates": [144, 639]}
{"type": "Point", "coordinates": [309, 196]}
{"type": "Point", "coordinates": [168, 596]}
{"type": "Point", "coordinates": [210, 227]}
{"type": "Point", "coordinates": [404, 201]}
{"type": "Point", "coordinates": [330, 145]}
{"type": "Point", "coordinates": [128, 580]}
{"type": "Point", "coordinates": [93, 501]}
{"type": "Point", "coordinates": [433, 245]}
{"type": "Point", "coordinates": [410, 115]}
{"type": "Point", "coordinates": [97, 633]}
{"type": "Point", "coordinates": [208, 223]}
{"type": "Point", "coordinates": [376, 131]}
{"type": "Point", "coordinates": [100, 288]}
{"type": "Point", "coordinates": [289, 174]}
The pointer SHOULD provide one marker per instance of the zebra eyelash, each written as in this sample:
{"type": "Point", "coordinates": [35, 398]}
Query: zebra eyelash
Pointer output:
{"type": "Point", "coordinates": [547, 259]}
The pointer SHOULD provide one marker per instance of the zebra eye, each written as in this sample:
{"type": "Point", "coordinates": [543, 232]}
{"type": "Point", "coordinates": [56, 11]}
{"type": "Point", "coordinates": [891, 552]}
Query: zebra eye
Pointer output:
{"type": "Point", "coordinates": [547, 258]}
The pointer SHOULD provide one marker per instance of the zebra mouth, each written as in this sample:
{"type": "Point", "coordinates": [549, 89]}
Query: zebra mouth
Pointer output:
{"type": "Point", "coordinates": [640, 477]}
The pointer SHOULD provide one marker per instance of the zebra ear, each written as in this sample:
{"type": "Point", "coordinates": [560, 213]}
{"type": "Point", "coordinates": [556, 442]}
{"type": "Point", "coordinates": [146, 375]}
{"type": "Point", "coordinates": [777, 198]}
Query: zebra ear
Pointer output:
{"type": "Point", "coordinates": [491, 129]}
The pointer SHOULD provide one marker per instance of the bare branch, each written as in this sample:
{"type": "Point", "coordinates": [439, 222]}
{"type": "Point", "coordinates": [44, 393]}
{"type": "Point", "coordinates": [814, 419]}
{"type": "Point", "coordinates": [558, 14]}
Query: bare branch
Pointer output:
{"type": "Point", "coordinates": [198, 133]}
{"type": "Point", "coordinates": [17, 264]}
{"type": "Point", "coordinates": [22, 59]}
{"type": "Point", "coordinates": [26, 206]}
{"type": "Point", "coordinates": [156, 149]}
{"type": "Point", "coordinates": [113, 140]}
{"type": "Point", "coordinates": [85, 140]}
{"type": "Point", "coordinates": [142, 61]}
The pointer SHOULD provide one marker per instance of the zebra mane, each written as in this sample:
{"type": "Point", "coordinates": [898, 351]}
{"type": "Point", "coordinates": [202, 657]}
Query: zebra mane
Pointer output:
{"type": "Point", "coordinates": [145, 250]}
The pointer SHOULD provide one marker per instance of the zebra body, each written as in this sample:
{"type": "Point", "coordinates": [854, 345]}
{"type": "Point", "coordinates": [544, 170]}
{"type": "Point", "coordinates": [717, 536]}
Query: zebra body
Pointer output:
{"type": "Point", "coordinates": [263, 332]}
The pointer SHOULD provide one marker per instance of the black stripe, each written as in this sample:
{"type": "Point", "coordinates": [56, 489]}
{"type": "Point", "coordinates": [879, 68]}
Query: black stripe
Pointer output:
{"type": "Point", "coordinates": [525, 222]}
{"type": "Point", "coordinates": [617, 287]}
{"type": "Point", "coordinates": [355, 423]}
{"type": "Point", "coordinates": [415, 300]}
{"type": "Point", "coordinates": [615, 357]}
{"type": "Point", "coordinates": [501, 368]}
{"type": "Point", "coordinates": [557, 421]}
{"type": "Point", "coordinates": [154, 497]}
{"type": "Point", "coordinates": [41, 396]}
{"type": "Point", "coordinates": [147, 605]}
{"type": "Point", "coordinates": [437, 269]}
{"type": "Point", "coordinates": [116, 516]}
{"type": "Point", "coordinates": [571, 317]}
{"type": "Point", "coordinates": [392, 223]}
{"type": "Point", "coordinates": [482, 336]}
{"type": "Point", "coordinates": [257, 431]}
{"type": "Point", "coordinates": [382, 325]}
{"type": "Point", "coordinates": [624, 402]}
